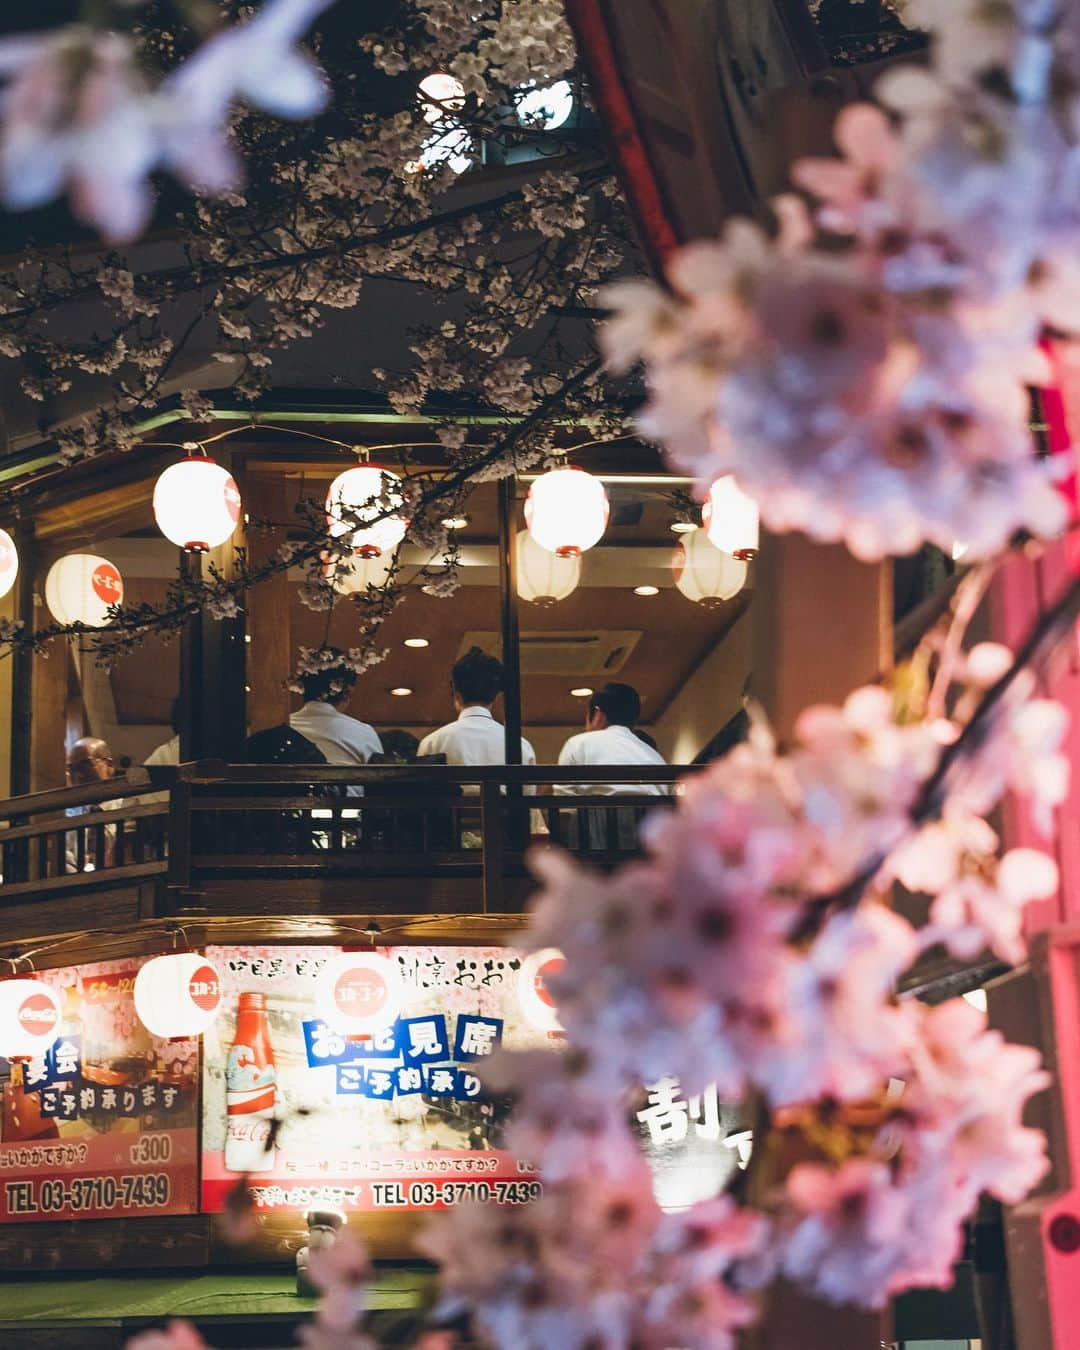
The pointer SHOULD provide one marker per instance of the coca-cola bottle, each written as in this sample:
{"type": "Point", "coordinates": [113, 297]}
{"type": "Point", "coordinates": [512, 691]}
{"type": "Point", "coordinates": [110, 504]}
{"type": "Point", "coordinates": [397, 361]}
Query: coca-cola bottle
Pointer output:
{"type": "Point", "coordinates": [250, 1090]}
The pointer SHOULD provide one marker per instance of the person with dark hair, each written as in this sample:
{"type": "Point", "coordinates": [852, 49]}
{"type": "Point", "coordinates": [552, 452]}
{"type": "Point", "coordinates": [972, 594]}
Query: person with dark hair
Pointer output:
{"type": "Point", "coordinates": [475, 737]}
{"type": "Point", "coordinates": [324, 722]}
{"type": "Point", "coordinates": [609, 738]}
{"type": "Point", "coordinates": [168, 752]}
{"type": "Point", "coordinates": [399, 747]}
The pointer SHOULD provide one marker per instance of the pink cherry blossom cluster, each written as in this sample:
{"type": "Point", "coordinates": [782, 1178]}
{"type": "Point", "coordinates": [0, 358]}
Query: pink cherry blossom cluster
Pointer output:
{"type": "Point", "coordinates": [864, 373]}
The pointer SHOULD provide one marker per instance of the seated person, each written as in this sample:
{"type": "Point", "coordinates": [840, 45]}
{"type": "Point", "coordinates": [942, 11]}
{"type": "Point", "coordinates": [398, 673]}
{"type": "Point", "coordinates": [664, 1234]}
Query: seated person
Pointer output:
{"type": "Point", "coordinates": [399, 747]}
{"type": "Point", "coordinates": [474, 737]}
{"type": "Point", "coordinates": [287, 832]}
{"type": "Point", "coordinates": [323, 720]}
{"type": "Point", "coordinates": [90, 761]}
{"type": "Point", "coordinates": [168, 752]}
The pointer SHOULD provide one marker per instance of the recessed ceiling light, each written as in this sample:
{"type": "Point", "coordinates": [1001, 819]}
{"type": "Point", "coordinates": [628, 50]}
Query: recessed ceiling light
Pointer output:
{"type": "Point", "coordinates": [401, 691]}
{"type": "Point", "coordinates": [417, 642]}
{"type": "Point", "coordinates": [455, 522]}
{"type": "Point", "coordinates": [581, 693]}
{"type": "Point", "coordinates": [683, 527]}
{"type": "Point", "coordinates": [646, 590]}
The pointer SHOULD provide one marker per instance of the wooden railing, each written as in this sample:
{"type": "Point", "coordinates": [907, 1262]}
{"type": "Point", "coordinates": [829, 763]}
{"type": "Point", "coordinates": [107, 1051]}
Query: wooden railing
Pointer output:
{"type": "Point", "coordinates": [211, 821]}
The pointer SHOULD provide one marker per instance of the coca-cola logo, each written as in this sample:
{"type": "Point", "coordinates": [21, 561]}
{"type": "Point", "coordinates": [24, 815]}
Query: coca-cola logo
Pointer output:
{"type": "Point", "coordinates": [204, 988]}
{"type": "Point", "coordinates": [37, 1014]}
{"type": "Point", "coordinates": [107, 584]}
{"type": "Point", "coordinates": [543, 973]}
{"type": "Point", "coordinates": [360, 992]}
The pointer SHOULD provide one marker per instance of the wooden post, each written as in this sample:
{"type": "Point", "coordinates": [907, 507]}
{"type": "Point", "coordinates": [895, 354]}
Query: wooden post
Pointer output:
{"type": "Point", "coordinates": [22, 662]}
{"type": "Point", "coordinates": [212, 721]}
{"type": "Point", "coordinates": [269, 651]}
{"type": "Point", "coordinates": [508, 601]}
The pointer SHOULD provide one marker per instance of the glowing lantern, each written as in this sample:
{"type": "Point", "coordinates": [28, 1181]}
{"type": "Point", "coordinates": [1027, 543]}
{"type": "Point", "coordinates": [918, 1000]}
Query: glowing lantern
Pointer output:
{"type": "Point", "coordinates": [9, 562]}
{"type": "Point", "coordinates": [704, 574]}
{"type": "Point", "coordinates": [29, 1017]}
{"type": "Point", "coordinates": [537, 1005]}
{"type": "Point", "coordinates": [353, 576]}
{"type": "Point", "coordinates": [545, 578]}
{"type": "Point", "coordinates": [730, 518]}
{"type": "Point", "coordinates": [196, 504]}
{"type": "Point", "coordinates": [566, 511]}
{"type": "Point", "coordinates": [177, 995]}
{"type": "Point", "coordinates": [358, 993]}
{"type": "Point", "coordinates": [80, 588]}
{"type": "Point", "coordinates": [548, 108]}
{"type": "Point", "coordinates": [368, 493]}
{"type": "Point", "coordinates": [440, 95]}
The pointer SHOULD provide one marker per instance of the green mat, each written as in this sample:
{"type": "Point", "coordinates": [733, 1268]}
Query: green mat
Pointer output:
{"type": "Point", "coordinates": [91, 1301]}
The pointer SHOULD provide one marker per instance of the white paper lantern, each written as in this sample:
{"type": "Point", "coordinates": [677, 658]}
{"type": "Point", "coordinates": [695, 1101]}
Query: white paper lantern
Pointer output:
{"type": "Point", "coordinates": [545, 578]}
{"type": "Point", "coordinates": [364, 494]}
{"type": "Point", "coordinates": [353, 576]}
{"type": "Point", "coordinates": [358, 993]}
{"type": "Point", "coordinates": [196, 504]}
{"type": "Point", "coordinates": [730, 518]}
{"type": "Point", "coordinates": [177, 995]}
{"type": "Point", "coordinates": [9, 562]}
{"type": "Point", "coordinates": [441, 94]}
{"type": "Point", "coordinates": [80, 587]}
{"type": "Point", "coordinates": [567, 511]}
{"type": "Point", "coordinates": [704, 574]}
{"type": "Point", "coordinates": [29, 1017]}
{"type": "Point", "coordinates": [548, 108]}
{"type": "Point", "coordinates": [537, 1005]}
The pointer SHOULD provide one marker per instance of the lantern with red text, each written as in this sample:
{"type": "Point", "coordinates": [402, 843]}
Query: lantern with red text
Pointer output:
{"type": "Point", "coordinates": [358, 993]}
{"type": "Point", "coordinates": [196, 504]}
{"type": "Point", "coordinates": [80, 587]}
{"type": "Point", "coordinates": [29, 1017]}
{"type": "Point", "coordinates": [177, 995]}
{"type": "Point", "coordinates": [730, 518]}
{"type": "Point", "coordinates": [366, 502]}
{"type": "Point", "coordinates": [567, 511]}
{"type": "Point", "coordinates": [706, 575]}
{"type": "Point", "coordinates": [537, 1005]}
{"type": "Point", "coordinates": [9, 562]}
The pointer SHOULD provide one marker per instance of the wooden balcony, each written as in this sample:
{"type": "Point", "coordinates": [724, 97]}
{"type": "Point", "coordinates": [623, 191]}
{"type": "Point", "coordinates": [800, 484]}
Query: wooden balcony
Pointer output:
{"type": "Point", "coordinates": [208, 844]}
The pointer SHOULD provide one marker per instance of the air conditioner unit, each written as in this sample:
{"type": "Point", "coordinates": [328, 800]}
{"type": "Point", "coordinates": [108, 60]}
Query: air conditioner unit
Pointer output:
{"type": "Point", "coordinates": [601, 652]}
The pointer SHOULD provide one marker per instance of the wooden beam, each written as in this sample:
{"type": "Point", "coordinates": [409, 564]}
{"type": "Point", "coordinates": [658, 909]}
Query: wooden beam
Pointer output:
{"type": "Point", "coordinates": [269, 652]}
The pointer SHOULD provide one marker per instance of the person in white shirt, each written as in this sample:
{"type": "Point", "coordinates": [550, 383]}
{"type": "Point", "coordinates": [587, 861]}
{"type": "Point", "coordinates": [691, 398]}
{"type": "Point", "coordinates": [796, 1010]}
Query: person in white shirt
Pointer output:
{"type": "Point", "coordinates": [475, 737]}
{"type": "Point", "coordinates": [168, 752]}
{"type": "Point", "coordinates": [323, 720]}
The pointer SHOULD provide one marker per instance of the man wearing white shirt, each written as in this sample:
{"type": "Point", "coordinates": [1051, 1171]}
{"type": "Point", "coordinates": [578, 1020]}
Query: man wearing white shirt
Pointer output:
{"type": "Point", "coordinates": [168, 752]}
{"type": "Point", "coordinates": [322, 719]}
{"type": "Point", "coordinates": [475, 737]}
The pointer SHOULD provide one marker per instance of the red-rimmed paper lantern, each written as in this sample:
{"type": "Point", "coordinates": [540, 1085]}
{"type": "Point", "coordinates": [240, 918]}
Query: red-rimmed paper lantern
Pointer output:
{"type": "Point", "coordinates": [29, 1017]}
{"type": "Point", "coordinates": [358, 992]}
{"type": "Point", "coordinates": [366, 501]}
{"type": "Point", "coordinates": [196, 504]}
{"type": "Point", "coordinates": [545, 578]}
{"type": "Point", "coordinates": [80, 587]}
{"type": "Point", "coordinates": [537, 1005]}
{"type": "Point", "coordinates": [567, 511]}
{"type": "Point", "coordinates": [731, 520]}
{"type": "Point", "coordinates": [9, 562]}
{"type": "Point", "coordinates": [706, 575]}
{"type": "Point", "coordinates": [177, 995]}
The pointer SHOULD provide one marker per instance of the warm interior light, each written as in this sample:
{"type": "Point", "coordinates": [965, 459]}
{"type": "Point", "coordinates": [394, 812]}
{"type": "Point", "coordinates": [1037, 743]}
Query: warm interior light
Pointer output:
{"type": "Point", "coordinates": [366, 501]}
{"type": "Point", "coordinates": [402, 691]}
{"type": "Point", "coordinates": [705, 574]}
{"type": "Point", "coordinates": [545, 578]}
{"type": "Point", "coordinates": [549, 107]}
{"type": "Point", "coordinates": [581, 693]}
{"type": "Point", "coordinates": [80, 587]}
{"type": "Point", "coordinates": [440, 95]}
{"type": "Point", "coordinates": [455, 522]}
{"type": "Point", "coordinates": [416, 642]}
{"type": "Point", "coordinates": [566, 511]}
{"type": "Point", "coordinates": [196, 504]}
{"type": "Point", "coordinates": [682, 527]}
{"type": "Point", "coordinates": [353, 576]}
{"type": "Point", "coordinates": [731, 519]}
{"type": "Point", "coordinates": [646, 590]}
{"type": "Point", "coordinates": [9, 562]}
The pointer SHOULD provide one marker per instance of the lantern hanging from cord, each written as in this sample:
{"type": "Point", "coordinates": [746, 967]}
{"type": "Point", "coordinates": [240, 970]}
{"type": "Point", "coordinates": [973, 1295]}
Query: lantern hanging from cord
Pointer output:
{"type": "Point", "coordinates": [545, 578]}
{"type": "Point", "coordinates": [196, 504]}
{"type": "Point", "coordinates": [80, 587]}
{"type": "Point", "coordinates": [567, 511]}
{"type": "Point", "coordinates": [358, 993]}
{"type": "Point", "coordinates": [366, 501]}
{"type": "Point", "coordinates": [354, 575]}
{"type": "Point", "coordinates": [706, 575]}
{"type": "Point", "coordinates": [9, 562]}
{"type": "Point", "coordinates": [177, 995]}
{"type": "Point", "coordinates": [730, 518]}
{"type": "Point", "coordinates": [29, 1017]}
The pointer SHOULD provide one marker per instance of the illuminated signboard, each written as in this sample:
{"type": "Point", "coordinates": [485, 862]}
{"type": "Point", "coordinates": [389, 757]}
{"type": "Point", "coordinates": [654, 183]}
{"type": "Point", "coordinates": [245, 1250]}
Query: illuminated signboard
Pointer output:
{"type": "Point", "coordinates": [102, 1123]}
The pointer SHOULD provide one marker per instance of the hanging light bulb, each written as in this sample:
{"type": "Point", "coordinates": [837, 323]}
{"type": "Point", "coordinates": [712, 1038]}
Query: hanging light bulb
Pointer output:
{"type": "Point", "coordinates": [196, 504]}
{"type": "Point", "coordinates": [366, 494]}
{"type": "Point", "coordinates": [80, 587]}
{"type": "Point", "coordinates": [177, 995]}
{"type": "Point", "coordinates": [353, 576]}
{"type": "Point", "coordinates": [730, 518]}
{"type": "Point", "coordinates": [9, 562]}
{"type": "Point", "coordinates": [29, 1017]}
{"type": "Point", "coordinates": [358, 992]}
{"type": "Point", "coordinates": [706, 575]}
{"type": "Point", "coordinates": [566, 511]}
{"type": "Point", "coordinates": [545, 578]}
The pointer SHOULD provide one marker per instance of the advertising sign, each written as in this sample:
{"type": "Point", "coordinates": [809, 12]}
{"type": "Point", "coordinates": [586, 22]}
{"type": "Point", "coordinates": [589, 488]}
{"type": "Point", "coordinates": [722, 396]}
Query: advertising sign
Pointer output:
{"type": "Point", "coordinates": [367, 1062]}
{"type": "Point", "coordinates": [102, 1122]}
